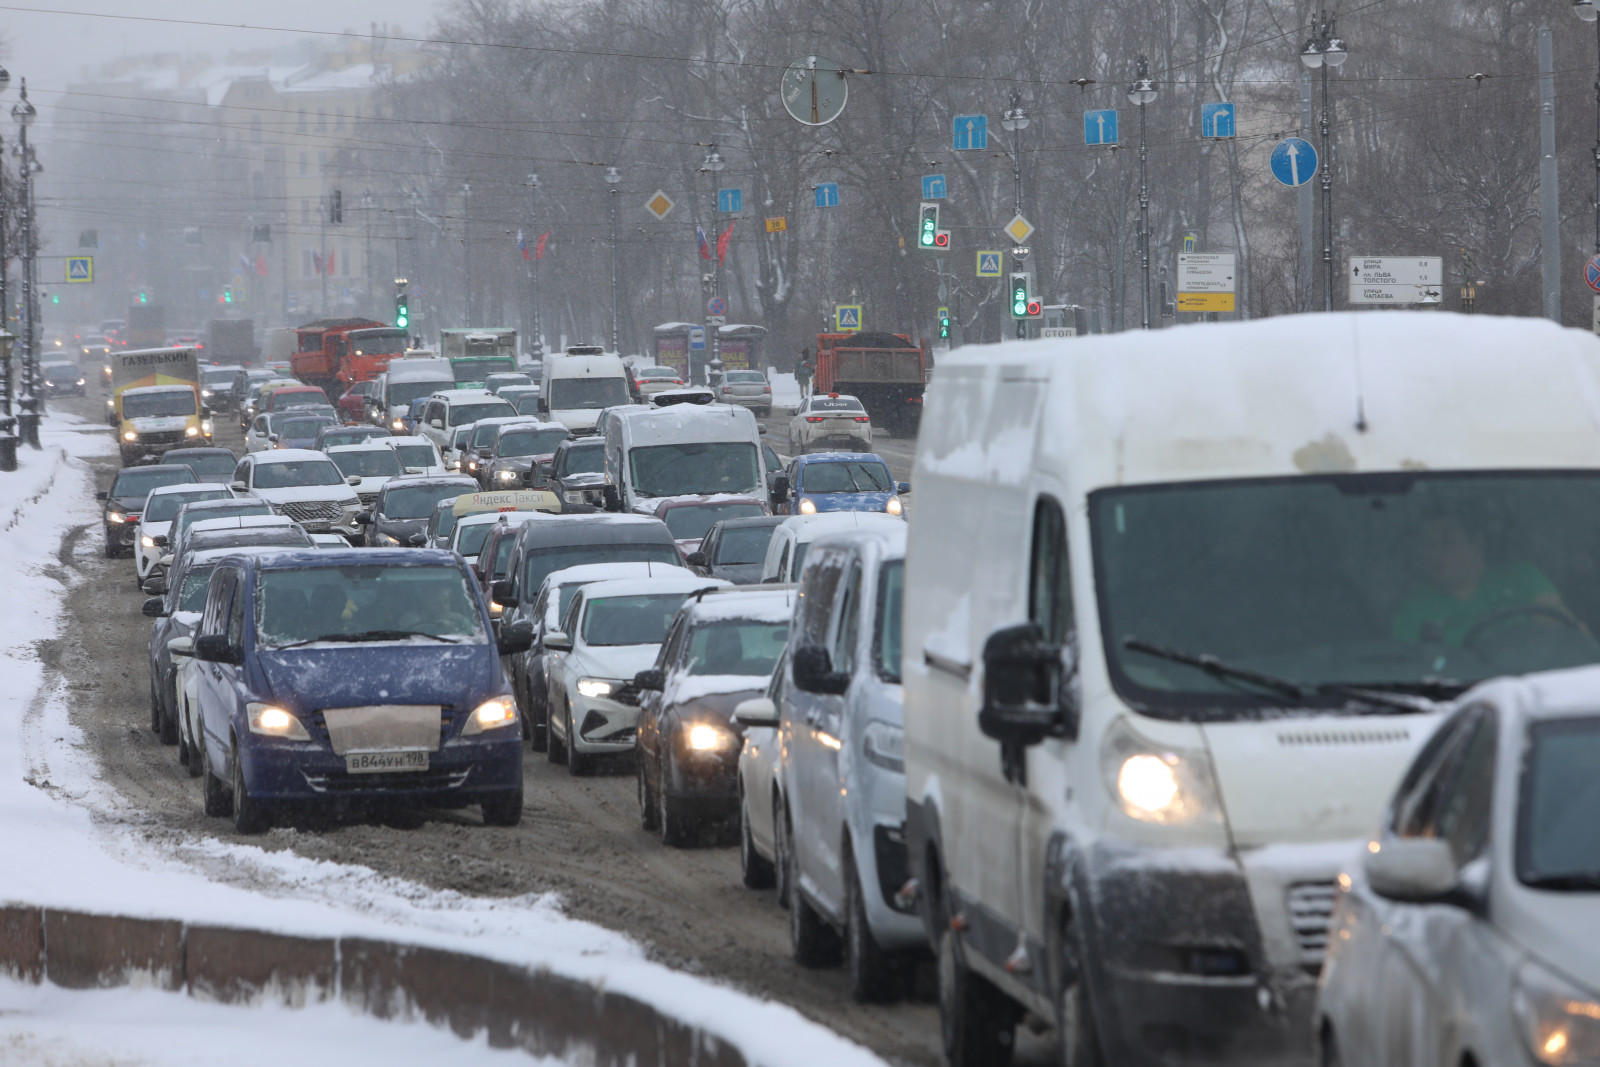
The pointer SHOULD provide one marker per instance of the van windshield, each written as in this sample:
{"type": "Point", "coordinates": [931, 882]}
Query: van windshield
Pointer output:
{"type": "Point", "coordinates": [568, 394]}
{"type": "Point", "coordinates": [1409, 582]}
{"type": "Point", "coordinates": [694, 468]}
{"type": "Point", "coordinates": [156, 405]}
{"type": "Point", "coordinates": [403, 393]}
{"type": "Point", "coordinates": [543, 562]}
{"type": "Point", "coordinates": [475, 369]}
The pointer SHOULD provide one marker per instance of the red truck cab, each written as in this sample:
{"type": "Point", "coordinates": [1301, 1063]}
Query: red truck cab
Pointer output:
{"type": "Point", "coordinates": [336, 353]}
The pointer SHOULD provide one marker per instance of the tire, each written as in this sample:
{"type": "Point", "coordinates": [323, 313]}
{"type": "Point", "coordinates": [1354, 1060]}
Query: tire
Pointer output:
{"type": "Point", "coordinates": [648, 818]}
{"type": "Point", "coordinates": [555, 749]}
{"type": "Point", "coordinates": [1075, 1028]}
{"type": "Point", "coordinates": [193, 764]}
{"type": "Point", "coordinates": [214, 798]}
{"type": "Point", "coordinates": [780, 849]}
{"type": "Point", "coordinates": [579, 765]}
{"type": "Point", "coordinates": [676, 831]}
{"type": "Point", "coordinates": [111, 546]}
{"type": "Point", "coordinates": [538, 724]}
{"type": "Point", "coordinates": [249, 817]}
{"type": "Point", "coordinates": [812, 942]}
{"type": "Point", "coordinates": [977, 1024]}
{"type": "Point", "coordinates": [876, 976]}
{"type": "Point", "coordinates": [502, 809]}
{"type": "Point", "coordinates": [757, 870]}
{"type": "Point", "coordinates": [1328, 1048]}
{"type": "Point", "coordinates": [167, 726]}
{"type": "Point", "coordinates": [155, 709]}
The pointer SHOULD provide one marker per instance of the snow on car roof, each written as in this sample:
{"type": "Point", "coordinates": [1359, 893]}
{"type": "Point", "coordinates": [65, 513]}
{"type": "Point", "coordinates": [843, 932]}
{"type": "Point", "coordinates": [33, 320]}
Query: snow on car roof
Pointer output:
{"type": "Point", "coordinates": [686, 583]}
{"type": "Point", "coordinates": [240, 522]}
{"type": "Point", "coordinates": [488, 518]}
{"type": "Point", "coordinates": [810, 527]}
{"type": "Point", "coordinates": [757, 603]}
{"type": "Point", "coordinates": [296, 455]}
{"type": "Point", "coordinates": [839, 457]}
{"type": "Point", "coordinates": [212, 555]}
{"type": "Point", "coordinates": [371, 444]}
{"type": "Point", "coordinates": [404, 439]}
{"type": "Point", "coordinates": [601, 572]}
{"type": "Point", "coordinates": [891, 538]}
{"type": "Point", "coordinates": [188, 487]}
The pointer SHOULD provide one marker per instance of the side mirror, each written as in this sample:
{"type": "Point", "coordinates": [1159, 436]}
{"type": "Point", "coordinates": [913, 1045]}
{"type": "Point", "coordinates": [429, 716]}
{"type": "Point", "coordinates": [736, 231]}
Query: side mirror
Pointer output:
{"type": "Point", "coordinates": [696, 559]}
{"type": "Point", "coordinates": [238, 487]}
{"type": "Point", "coordinates": [504, 594]}
{"type": "Point", "coordinates": [761, 429]}
{"type": "Point", "coordinates": [181, 646]}
{"type": "Point", "coordinates": [1025, 698]}
{"type": "Point", "coordinates": [1414, 869]}
{"type": "Point", "coordinates": [154, 608]}
{"type": "Point", "coordinates": [612, 499]}
{"type": "Point", "coordinates": [416, 470]}
{"type": "Point", "coordinates": [515, 637]}
{"type": "Point", "coordinates": [102, 495]}
{"type": "Point", "coordinates": [780, 487]}
{"type": "Point", "coordinates": [155, 585]}
{"type": "Point", "coordinates": [758, 711]}
{"type": "Point", "coordinates": [273, 436]}
{"type": "Point", "coordinates": [544, 409]}
{"type": "Point", "coordinates": [902, 487]}
{"type": "Point", "coordinates": [160, 540]}
{"type": "Point", "coordinates": [650, 678]}
{"type": "Point", "coordinates": [214, 648]}
{"type": "Point", "coordinates": [814, 673]}
{"type": "Point", "coordinates": [417, 540]}
{"type": "Point", "coordinates": [363, 518]}
{"type": "Point", "coordinates": [437, 424]}
{"type": "Point", "coordinates": [556, 641]}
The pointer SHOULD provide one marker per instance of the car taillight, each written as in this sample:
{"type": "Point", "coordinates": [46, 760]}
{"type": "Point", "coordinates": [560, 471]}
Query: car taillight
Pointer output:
{"type": "Point", "coordinates": [863, 418]}
{"type": "Point", "coordinates": [766, 388]}
{"type": "Point", "coordinates": [813, 418]}
{"type": "Point", "coordinates": [677, 381]}
{"type": "Point", "coordinates": [727, 388]}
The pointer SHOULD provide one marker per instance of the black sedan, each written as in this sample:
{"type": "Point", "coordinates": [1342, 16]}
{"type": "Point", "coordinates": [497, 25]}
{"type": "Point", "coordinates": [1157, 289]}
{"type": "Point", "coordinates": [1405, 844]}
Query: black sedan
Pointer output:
{"type": "Point", "coordinates": [124, 501]}
{"type": "Point", "coordinates": [735, 549]}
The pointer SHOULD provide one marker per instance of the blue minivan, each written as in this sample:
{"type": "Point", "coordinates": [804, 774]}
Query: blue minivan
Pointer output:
{"type": "Point", "coordinates": [353, 675]}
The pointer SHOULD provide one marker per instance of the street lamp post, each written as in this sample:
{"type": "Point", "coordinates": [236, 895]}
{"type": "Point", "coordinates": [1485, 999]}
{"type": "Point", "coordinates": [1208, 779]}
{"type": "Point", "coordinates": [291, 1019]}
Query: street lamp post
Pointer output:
{"type": "Point", "coordinates": [1586, 10]}
{"type": "Point", "coordinates": [613, 177]}
{"type": "Point", "coordinates": [1324, 50]}
{"type": "Point", "coordinates": [1143, 92]}
{"type": "Point", "coordinates": [536, 342]}
{"type": "Point", "coordinates": [714, 165]}
{"type": "Point", "coordinates": [1016, 120]}
{"type": "Point", "coordinates": [466, 246]}
{"type": "Point", "coordinates": [28, 403]}
{"type": "Point", "coordinates": [366, 210]}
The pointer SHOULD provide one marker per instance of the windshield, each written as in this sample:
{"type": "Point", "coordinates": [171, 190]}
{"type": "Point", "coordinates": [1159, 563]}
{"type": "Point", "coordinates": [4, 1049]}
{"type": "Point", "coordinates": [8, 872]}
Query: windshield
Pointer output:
{"type": "Point", "coordinates": [302, 429]}
{"type": "Point", "coordinates": [1414, 580]}
{"type": "Point", "coordinates": [743, 545]}
{"type": "Point", "coordinates": [163, 507]}
{"type": "Point", "coordinates": [502, 381]}
{"type": "Point", "coordinates": [155, 405]}
{"type": "Point", "coordinates": [630, 620]}
{"type": "Point", "coordinates": [461, 414]}
{"type": "Point", "coordinates": [403, 393]}
{"type": "Point", "coordinates": [584, 461]}
{"type": "Point", "coordinates": [541, 563]}
{"type": "Point", "coordinates": [208, 468]}
{"type": "Point", "coordinates": [471, 536]}
{"type": "Point", "coordinates": [250, 536]}
{"type": "Point", "coordinates": [476, 369]}
{"type": "Point", "coordinates": [233, 511]}
{"type": "Point", "coordinates": [692, 468]}
{"type": "Point", "coordinates": [196, 583]}
{"type": "Point", "coordinates": [846, 477]}
{"type": "Point", "coordinates": [348, 437]}
{"type": "Point", "coordinates": [284, 399]}
{"type": "Point", "coordinates": [378, 342]}
{"type": "Point", "coordinates": [416, 455]}
{"type": "Point", "coordinates": [693, 521]}
{"type": "Point", "coordinates": [568, 394]}
{"type": "Point", "coordinates": [139, 483]}
{"type": "Point", "coordinates": [528, 404]}
{"type": "Point", "coordinates": [530, 442]}
{"type": "Point", "coordinates": [367, 463]}
{"type": "Point", "coordinates": [1558, 834]}
{"type": "Point", "coordinates": [459, 441]}
{"type": "Point", "coordinates": [376, 600]}
{"type": "Point", "coordinates": [842, 405]}
{"type": "Point", "coordinates": [746, 376]}
{"type": "Point", "coordinates": [416, 502]}
{"type": "Point", "coordinates": [61, 372]}
{"type": "Point", "coordinates": [214, 379]}
{"type": "Point", "coordinates": [296, 473]}
{"type": "Point", "coordinates": [886, 643]}
{"type": "Point", "coordinates": [741, 646]}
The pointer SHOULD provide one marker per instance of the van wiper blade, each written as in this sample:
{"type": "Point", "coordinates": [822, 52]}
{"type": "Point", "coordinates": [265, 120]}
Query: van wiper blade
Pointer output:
{"type": "Point", "coordinates": [1218, 668]}
{"type": "Point", "coordinates": [1575, 881]}
{"type": "Point", "coordinates": [369, 635]}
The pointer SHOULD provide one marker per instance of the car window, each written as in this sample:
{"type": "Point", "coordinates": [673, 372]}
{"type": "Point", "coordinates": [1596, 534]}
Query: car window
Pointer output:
{"type": "Point", "coordinates": [196, 583]}
{"type": "Point", "coordinates": [365, 602]}
{"type": "Point", "coordinates": [461, 414]}
{"type": "Point", "coordinates": [1050, 577]}
{"type": "Point", "coordinates": [694, 520]}
{"type": "Point", "coordinates": [886, 628]}
{"type": "Point", "coordinates": [236, 617]}
{"type": "Point", "coordinates": [783, 564]}
{"type": "Point", "coordinates": [630, 620]}
{"type": "Point", "coordinates": [845, 477]}
{"type": "Point", "coordinates": [297, 473]}
{"type": "Point", "coordinates": [367, 463]}
{"type": "Point", "coordinates": [819, 586]}
{"type": "Point", "coordinates": [742, 545]}
{"type": "Point", "coordinates": [135, 482]}
{"type": "Point", "coordinates": [214, 619]}
{"type": "Point", "coordinates": [163, 507]}
{"type": "Point", "coordinates": [1450, 800]}
{"type": "Point", "coordinates": [738, 646]}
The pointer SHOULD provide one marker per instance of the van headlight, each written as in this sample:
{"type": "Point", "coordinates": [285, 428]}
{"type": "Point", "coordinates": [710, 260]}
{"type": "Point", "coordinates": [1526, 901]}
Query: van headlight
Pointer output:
{"type": "Point", "coordinates": [193, 431]}
{"type": "Point", "coordinates": [1559, 1022]}
{"type": "Point", "coordinates": [808, 506]}
{"type": "Point", "coordinates": [894, 507]}
{"type": "Point", "coordinates": [1159, 783]}
{"type": "Point", "coordinates": [491, 715]}
{"type": "Point", "coordinates": [130, 435]}
{"type": "Point", "coordinates": [704, 737]}
{"type": "Point", "coordinates": [273, 721]}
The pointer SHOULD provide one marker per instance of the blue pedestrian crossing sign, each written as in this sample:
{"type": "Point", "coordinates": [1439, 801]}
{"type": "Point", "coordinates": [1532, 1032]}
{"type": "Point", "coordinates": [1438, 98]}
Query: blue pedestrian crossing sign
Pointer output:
{"type": "Point", "coordinates": [989, 264]}
{"type": "Point", "coordinates": [933, 187]}
{"type": "Point", "coordinates": [847, 318]}
{"type": "Point", "coordinates": [827, 194]}
{"type": "Point", "coordinates": [970, 133]}
{"type": "Point", "coordinates": [1216, 120]}
{"type": "Point", "coordinates": [730, 201]}
{"type": "Point", "coordinates": [80, 268]}
{"type": "Point", "coordinates": [1100, 127]}
{"type": "Point", "coordinates": [1294, 161]}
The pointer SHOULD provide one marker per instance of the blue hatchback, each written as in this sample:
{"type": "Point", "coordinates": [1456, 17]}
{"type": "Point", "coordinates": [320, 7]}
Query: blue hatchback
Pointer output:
{"type": "Point", "coordinates": [353, 675]}
{"type": "Point", "coordinates": [837, 481]}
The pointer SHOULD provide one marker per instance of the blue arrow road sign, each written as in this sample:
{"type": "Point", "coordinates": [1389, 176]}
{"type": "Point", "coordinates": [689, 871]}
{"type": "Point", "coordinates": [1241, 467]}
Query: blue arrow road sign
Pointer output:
{"type": "Point", "coordinates": [827, 194]}
{"type": "Point", "coordinates": [933, 187]}
{"type": "Point", "coordinates": [1294, 161]}
{"type": "Point", "coordinates": [971, 133]}
{"type": "Point", "coordinates": [1100, 127]}
{"type": "Point", "coordinates": [730, 201]}
{"type": "Point", "coordinates": [1216, 120]}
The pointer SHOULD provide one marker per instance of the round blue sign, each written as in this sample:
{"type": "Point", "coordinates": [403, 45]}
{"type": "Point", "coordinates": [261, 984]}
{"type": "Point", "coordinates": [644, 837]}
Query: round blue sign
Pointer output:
{"type": "Point", "coordinates": [1591, 273]}
{"type": "Point", "coordinates": [1294, 161]}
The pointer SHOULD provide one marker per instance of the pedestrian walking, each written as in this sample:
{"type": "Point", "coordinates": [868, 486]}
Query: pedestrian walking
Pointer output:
{"type": "Point", "coordinates": [802, 374]}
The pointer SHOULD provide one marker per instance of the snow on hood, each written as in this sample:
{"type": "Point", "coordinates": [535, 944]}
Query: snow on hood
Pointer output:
{"type": "Point", "coordinates": [730, 688]}
{"type": "Point", "coordinates": [398, 672]}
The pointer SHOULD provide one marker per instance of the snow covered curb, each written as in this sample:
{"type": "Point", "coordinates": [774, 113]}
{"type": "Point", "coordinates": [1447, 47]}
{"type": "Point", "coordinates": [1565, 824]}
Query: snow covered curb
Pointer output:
{"type": "Point", "coordinates": [517, 969]}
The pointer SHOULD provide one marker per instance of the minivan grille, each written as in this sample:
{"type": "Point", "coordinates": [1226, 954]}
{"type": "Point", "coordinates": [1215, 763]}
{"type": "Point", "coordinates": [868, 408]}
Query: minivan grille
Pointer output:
{"type": "Point", "coordinates": [1310, 910]}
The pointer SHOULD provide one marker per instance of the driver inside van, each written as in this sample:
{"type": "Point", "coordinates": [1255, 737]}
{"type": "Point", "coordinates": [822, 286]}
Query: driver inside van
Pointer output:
{"type": "Point", "coordinates": [1464, 590]}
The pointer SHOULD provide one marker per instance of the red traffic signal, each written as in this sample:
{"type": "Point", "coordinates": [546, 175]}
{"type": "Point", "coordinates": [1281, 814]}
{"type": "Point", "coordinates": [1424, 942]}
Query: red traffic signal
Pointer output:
{"type": "Point", "coordinates": [1035, 308]}
{"type": "Point", "coordinates": [941, 239]}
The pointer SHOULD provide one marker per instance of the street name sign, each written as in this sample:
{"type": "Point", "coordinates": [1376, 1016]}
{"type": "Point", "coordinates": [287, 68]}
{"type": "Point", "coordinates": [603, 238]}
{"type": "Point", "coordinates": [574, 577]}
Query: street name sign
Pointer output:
{"type": "Point", "coordinates": [1216, 120]}
{"type": "Point", "coordinates": [1206, 281]}
{"type": "Point", "coordinates": [1396, 279]}
{"type": "Point", "coordinates": [659, 205]}
{"type": "Point", "coordinates": [970, 133]}
{"type": "Point", "coordinates": [1100, 127]}
{"type": "Point", "coordinates": [1294, 162]}
{"type": "Point", "coordinates": [989, 264]}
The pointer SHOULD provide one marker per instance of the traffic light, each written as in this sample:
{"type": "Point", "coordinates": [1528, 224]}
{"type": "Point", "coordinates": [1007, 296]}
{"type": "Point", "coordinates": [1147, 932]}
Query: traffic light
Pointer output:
{"type": "Point", "coordinates": [928, 227]}
{"type": "Point", "coordinates": [336, 208]}
{"type": "Point", "coordinates": [1024, 305]}
{"type": "Point", "coordinates": [944, 324]}
{"type": "Point", "coordinates": [143, 298]}
{"type": "Point", "coordinates": [941, 240]}
{"type": "Point", "coordinates": [402, 304]}
{"type": "Point", "coordinates": [227, 295]}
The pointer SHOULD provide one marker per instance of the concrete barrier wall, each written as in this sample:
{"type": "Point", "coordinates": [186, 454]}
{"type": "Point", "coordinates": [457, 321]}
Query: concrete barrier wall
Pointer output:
{"type": "Point", "coordinates": [533, 1010]}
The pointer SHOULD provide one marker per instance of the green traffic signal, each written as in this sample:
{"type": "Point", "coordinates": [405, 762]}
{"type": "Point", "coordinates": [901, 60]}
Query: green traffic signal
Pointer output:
{"type": "Point", "coordinates": [1019, 296]}
{"type": "Point", "coordinates": [928, 225]}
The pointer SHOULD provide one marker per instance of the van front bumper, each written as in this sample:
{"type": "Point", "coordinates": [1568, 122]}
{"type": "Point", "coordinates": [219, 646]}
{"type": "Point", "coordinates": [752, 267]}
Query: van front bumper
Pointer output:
{"type": "Point", "coordinates": [461, 771]}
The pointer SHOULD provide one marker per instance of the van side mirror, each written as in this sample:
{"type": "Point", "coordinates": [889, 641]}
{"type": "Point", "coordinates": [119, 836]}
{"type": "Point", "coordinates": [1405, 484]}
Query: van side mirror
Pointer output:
{"type": "Point", "coordinates": [758, 711]}
{"type": "Point", "coordinates": [504, 593]}
{"type": "Point", "coordinates": [1025, 698]}
{"type": "Point", "coordinates": [780, 488]}
{"type": "Point", "coordinates": [437, 424]}
{"type": "Point", "coordinates": [556, 641]}
{"type": "Point", "coordinates": [612, 499]}
{"type": "Point", "coordinates": [544, 409]}
{"type": "Point", "coordinates": [650, 678]}
{"type": "Point", "coordinates": [238, 487]}
{"type": "Point", "coordinates": [814, 673]}
{"type": "Point", "coordinates": [515, 637]}
{"type": "Point", "coordinates": [154, 608]}
{"type": "Point", "coordinates": [214, 648]}
{"type": "Point", "coordinates": [1414, 869]}
{"type": "Point", "coordinates": [102, 495]}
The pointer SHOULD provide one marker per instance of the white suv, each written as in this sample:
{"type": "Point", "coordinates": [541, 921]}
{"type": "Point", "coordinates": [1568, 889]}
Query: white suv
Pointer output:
{"type": "Point", "coordinates": [304, 485]}
{"type": "Point", "coordinates": [367, 466]}
{"type": "Point", "coordinates": [445, 412]}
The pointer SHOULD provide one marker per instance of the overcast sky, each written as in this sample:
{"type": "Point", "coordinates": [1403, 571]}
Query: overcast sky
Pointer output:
{"type": "Point", "coordinates": [52, 49]}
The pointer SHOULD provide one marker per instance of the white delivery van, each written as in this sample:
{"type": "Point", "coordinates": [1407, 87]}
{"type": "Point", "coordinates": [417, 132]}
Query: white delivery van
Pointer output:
{"type": "Point", "coordinates": [1180, 608]}
{"type": "Point", "coordinates": [408, 379]}
{"type": "Point", "coordinates": [581, 383]}
{"type": "Point", "coordinates": [687, 450]}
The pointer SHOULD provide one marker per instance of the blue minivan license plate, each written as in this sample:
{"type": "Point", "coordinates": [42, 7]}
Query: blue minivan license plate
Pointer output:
{"type": "Point", "coordinates": [385, 762]}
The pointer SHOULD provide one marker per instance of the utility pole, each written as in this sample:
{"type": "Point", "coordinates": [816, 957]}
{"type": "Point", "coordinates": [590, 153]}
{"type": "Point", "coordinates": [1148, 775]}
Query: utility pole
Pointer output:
{"type": "Point", "coordinates": [1016, 120]}
{"type": "Point", "coordinates": [29, 403]}
{"type": "Point", "coordinates": [466, 249]}
{"type": "Point", "coordinates": [536, 341]}
{"type": "Point", "coordinates": [1549, 182]}
{"type": "Point", "coordinates": [1325, 50]}
{"type": "Point", "coordinates": [1141, 93]}
{"type": "Point", "coordinates": [614, 176]}
{"type": "Point", "coordinates": [322, 251]}
{"type": "Point", "coordinates": [366, 211]}
{"type": "Point", "coordinates": [1307, 201]}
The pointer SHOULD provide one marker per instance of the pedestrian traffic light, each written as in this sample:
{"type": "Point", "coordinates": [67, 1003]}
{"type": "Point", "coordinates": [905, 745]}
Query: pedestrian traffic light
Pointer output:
{"type": "Point", "coordinates": [336, 207]}
{"type": "Point", "coordinates": [944, 324]}
{"type": "Point", "coordinates": [1019, 295]}
{"type": "Point", "coordinates": [928, 226]}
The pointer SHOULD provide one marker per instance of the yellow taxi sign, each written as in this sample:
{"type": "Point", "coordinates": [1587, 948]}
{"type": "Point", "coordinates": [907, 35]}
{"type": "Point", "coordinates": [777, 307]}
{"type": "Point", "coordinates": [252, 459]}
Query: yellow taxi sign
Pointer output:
{"type": "Point", "coordinates": [1206, 302]}
{"type": "Point", "coordinates": [507, 500]}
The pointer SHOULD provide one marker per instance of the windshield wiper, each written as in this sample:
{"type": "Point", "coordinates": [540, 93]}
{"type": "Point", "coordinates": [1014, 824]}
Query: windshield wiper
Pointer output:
{"type": "Point", "coordinates": [1295, 690]}
{"type": "Point", "coordinates": [1579, 881]}
{"type": "Point", "coordinates": [371, 635]}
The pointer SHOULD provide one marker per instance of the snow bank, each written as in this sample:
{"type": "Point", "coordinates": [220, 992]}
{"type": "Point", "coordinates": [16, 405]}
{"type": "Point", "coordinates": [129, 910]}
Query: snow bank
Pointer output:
{"type": "Point", "coordinates": [50, 792]}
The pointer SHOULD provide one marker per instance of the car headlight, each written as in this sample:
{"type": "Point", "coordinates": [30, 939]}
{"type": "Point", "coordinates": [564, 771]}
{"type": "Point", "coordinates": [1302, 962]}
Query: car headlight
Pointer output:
{"type": "Point", "coordinates": [807, 506]}
{"type": "Point", "coordinates": [491, 715]}
{"type": "Point", "coordinates": [130, 435]}
{"type": "Point", "coordinates": [595, 687]}
{"type": "Point", "coordinates": [205, 392]}
{"type": "Point", "coordinates": [472, 464]}
{"type": "Point", "coordinates": [506, 476]}
{"type": "Point", "coordinates": [884, 743]}
{"type": "Point", "coordinates": [1158, 783]}
{"type": "Point", "coordinates": [894, 507]}
{"type": "Point", "coordinates": [385, 540]}
{"type": "Point", "coordinates": [116, 516]}
{"type": "Point", "coordinates": [572, 497]}
{"type": "Point", "coordinates": [398, 424]}
{"type": "Point", "coordinates": [1559, 1022]}
{"type": "Point", "coordinates": [272, 721]}
{"type": "Point", "coordinates": [193, 431]}
{"type": "Point", "coordinates": [147, 541]}
{"type": "Point", "coordinates": [704, 737]}
{"type": "Point", "coordinates": [80, 381]}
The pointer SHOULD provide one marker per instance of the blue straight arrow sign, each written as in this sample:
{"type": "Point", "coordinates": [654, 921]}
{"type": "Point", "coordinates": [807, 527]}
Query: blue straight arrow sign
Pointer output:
{"type": "Point", "coordinates": [1294, 161]}
{"type": "Point", "coordinates": [1100, 127]}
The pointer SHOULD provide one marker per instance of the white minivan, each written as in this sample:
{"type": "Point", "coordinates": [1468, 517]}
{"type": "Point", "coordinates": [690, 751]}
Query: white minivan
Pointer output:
{"type": "Point", "coordinates": [686, 450]}
{"type": "Point", "coordinates": [1180, 608]}
{"type": "Point", "coordinates": [581, 383]}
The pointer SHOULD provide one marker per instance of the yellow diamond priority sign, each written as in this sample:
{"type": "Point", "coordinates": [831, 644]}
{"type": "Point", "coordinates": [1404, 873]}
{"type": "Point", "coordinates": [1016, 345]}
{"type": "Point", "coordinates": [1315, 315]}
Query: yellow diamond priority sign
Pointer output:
{"type": "Point", "coordinates": [659, 205]}
{"type": "Point", "coordinates": [1019, 229]}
